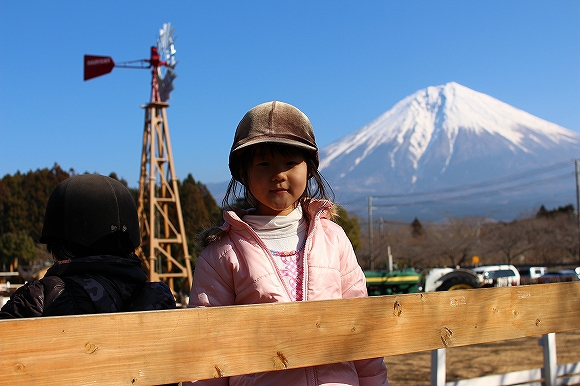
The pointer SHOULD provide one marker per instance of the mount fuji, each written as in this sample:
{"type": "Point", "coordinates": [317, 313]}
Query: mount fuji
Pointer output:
{"type": "Point", "coordinates": [449, 150]}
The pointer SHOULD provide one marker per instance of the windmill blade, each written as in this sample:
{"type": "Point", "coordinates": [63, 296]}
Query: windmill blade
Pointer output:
{"type": "Point", "coordinates": [97, 66]}
{"type": "Point", "coordinates": [166, 84]}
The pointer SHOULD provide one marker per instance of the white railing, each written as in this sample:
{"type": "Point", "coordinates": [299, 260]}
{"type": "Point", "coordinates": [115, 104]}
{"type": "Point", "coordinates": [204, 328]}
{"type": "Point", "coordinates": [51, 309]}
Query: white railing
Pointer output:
{"type": "Point", "coordinates": [551, 374]}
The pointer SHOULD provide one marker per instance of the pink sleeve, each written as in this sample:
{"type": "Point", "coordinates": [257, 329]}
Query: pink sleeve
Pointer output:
{"type": "Point", "coordinates": [212, 284]}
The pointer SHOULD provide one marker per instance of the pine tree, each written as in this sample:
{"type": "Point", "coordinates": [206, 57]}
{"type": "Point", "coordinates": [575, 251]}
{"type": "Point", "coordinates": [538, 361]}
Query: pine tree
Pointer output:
{"type": "Point", "coordinates": [199, 209]}
{"type": "Point", "coordinates": [16, 245]}
{"type": "Point", "coordinates": [417, 228]}
{"type": "Point", "coordinates": [25, 198]}
{"type": "Point", "coordinates": [350, 225]}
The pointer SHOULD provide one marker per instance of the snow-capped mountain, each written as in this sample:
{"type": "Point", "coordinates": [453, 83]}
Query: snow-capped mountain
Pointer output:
{"type": "Point", "coordinates": [447, 137]}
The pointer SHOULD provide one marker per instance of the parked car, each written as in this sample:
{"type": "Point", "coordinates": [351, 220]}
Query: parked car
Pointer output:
{"type": "Point", "coordinates": [530, 275]}
{"type": "Point", "coordinates": [534, 272]}
{"type": "Point", "coordinates": [499, 275]}
{"type": "Point", "coordinates": [559, 276]}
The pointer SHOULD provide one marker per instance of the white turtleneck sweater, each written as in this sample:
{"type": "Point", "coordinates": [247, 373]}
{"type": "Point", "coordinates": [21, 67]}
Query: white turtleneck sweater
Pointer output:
{"type": "Point", "coordinates": [280, 233]}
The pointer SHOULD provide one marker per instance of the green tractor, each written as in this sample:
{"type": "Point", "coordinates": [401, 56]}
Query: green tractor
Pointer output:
{"type": "Point", "coordinates": [404, 281]}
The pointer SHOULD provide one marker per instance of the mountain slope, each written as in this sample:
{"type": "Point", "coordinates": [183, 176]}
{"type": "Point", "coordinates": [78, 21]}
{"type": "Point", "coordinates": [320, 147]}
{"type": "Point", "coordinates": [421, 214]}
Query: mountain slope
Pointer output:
{"type": "Point", "coordinates": [442, 137]}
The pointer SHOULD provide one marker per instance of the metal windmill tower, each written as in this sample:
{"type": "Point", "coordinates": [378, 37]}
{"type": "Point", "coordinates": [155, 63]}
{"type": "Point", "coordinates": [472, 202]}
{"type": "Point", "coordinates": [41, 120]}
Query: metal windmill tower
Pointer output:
{"type": "Point", "coordinates": [163, 247]}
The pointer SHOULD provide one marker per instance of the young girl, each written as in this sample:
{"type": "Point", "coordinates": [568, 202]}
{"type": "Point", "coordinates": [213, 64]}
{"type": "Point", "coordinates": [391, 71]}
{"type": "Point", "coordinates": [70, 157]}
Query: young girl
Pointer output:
{"type": "Point", "coordinates": [285, 248]}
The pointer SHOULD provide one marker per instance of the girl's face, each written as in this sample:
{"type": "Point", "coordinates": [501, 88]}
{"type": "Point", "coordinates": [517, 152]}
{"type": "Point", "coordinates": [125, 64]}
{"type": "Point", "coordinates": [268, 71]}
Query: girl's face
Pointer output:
{"type": "Point", "coordinates": [277, 180]}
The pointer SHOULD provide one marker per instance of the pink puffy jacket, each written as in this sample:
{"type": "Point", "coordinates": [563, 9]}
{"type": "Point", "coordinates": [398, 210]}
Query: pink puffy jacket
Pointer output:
{"type": "Point", "coordinates": [331, 272]}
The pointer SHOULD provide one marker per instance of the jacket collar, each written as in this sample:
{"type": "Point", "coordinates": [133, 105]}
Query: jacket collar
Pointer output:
{"type": "Point", "coordinates": [314, 209]}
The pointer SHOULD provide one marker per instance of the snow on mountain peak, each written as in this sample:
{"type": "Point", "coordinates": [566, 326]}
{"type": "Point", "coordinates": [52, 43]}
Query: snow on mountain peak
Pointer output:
{"type": "Point", "coordinates": [417, 121]}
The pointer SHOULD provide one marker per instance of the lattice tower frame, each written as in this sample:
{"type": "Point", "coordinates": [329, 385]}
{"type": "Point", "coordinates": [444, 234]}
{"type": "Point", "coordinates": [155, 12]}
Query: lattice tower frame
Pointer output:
{"type": "Point", "coordinates": [163, 238]}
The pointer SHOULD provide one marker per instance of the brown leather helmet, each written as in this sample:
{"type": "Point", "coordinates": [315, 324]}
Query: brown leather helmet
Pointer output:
{"type": "Point", "coordinates": [272, 122]}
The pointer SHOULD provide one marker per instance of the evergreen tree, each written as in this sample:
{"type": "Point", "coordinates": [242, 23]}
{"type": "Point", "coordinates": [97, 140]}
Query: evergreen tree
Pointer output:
{"type": "Point", "coordinates": [350, 225]}
{"type": "Point", "coordinates": [561, 210]}
{"type": "Point", "coordinates": [199, 210]}
{"type": "Point", "coordinates": [24, 202]}
{"type": "Point", "coordinates": [16, 245]}
{"type": "Point", "coordinates": [417, 228]}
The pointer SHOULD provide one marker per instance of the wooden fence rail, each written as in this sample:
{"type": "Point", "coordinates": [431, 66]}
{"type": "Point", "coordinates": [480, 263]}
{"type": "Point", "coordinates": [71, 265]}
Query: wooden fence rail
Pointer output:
{"type": "Point", "coordinates": [156, 347]}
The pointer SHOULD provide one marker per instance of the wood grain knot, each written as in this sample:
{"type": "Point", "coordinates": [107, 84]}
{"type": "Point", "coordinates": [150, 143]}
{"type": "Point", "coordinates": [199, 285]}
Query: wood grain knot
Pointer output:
{"type": "Point", "coordinates": [218, 372]}
{"type": "Point", "coordinates": [91, 348]}
{"type": "Point", "coordinates": [446, 335]}
{"type": "Point", "coordinates": [18, 367]}
{"type": "Point", "coordinates": [282, 359]}
{"type": "Point", "coordinates": [397, 308]}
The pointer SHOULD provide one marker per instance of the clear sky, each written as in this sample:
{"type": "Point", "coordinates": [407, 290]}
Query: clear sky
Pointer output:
{"type": "Point", "coordinates": [343, 63]}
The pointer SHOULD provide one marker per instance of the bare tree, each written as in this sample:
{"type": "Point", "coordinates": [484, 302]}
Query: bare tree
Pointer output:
{"type": "Point", "coordinates": [457, 240]}
{"type": "Point", "coordinates": [509, 240]}
{"type": "Point", "coordinates": [532, 240]}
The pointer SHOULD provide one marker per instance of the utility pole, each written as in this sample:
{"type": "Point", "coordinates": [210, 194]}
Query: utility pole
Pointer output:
{"type": "Point", "coordinates": [371, 258]}
{"type": "Point", "coordinates": [381, 234]}
{"type": "Point", "coordinates": [576, 164]}
{"type": "Point", "coordinates": [577, 174]}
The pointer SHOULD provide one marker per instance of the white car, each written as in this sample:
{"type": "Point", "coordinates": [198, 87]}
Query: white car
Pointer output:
{"type": "Point", "coordinates": [499, 275]}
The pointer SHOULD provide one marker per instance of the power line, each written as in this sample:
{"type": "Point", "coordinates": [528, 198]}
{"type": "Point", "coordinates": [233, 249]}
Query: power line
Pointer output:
{"type": "Point", "coordinates": [490, 183]}
{"type": "Point", "coordinates": [488, 193]}
{"type": "Point", "coordinates": [485, 183]}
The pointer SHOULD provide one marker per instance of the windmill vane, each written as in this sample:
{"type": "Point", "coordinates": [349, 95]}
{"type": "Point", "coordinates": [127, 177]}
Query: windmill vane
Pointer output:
{"type": "Point", "coordinates": [161, 61]}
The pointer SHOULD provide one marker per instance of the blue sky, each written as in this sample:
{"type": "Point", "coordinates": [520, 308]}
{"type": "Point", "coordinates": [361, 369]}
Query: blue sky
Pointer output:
{"type": "Point", "coordinates": [343, 63]}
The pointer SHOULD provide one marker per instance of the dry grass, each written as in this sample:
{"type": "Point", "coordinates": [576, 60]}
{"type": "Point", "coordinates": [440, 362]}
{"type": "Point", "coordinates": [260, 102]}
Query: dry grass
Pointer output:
{"type": "Point", "coordinates": [483, 359]}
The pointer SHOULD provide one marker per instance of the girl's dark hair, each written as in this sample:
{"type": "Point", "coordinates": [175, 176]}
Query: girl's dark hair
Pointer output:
{"type": "Point", "coordinates": [239, 195]}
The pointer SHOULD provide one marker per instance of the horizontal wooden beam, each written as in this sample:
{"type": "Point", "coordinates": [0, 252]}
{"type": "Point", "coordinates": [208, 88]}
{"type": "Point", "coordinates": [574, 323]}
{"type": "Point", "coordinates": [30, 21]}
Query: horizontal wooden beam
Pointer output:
{"type": "Point", "coordinates": [156, 347]}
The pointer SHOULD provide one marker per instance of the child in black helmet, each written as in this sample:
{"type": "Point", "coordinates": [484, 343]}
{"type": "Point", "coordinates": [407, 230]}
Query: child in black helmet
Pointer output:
{"type": "Point", "coordinates": [284, 248]}
{"type": "Point", "coordinates": [92, 230]}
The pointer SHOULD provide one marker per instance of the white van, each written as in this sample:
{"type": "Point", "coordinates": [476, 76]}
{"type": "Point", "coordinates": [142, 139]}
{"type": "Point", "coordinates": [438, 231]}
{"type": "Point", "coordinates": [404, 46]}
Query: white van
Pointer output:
{"type": "Point", "coordinates": [499, 275]}
{"type": "Point", "coordinates": [536, 272]}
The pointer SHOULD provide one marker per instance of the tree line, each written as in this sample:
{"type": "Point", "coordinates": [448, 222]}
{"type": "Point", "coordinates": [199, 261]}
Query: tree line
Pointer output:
{"type": "Point", "coordinates": [548, 237]}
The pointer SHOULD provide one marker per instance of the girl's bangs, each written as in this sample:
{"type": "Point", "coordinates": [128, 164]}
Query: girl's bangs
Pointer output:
{"type": "Point", "coordinates": [270, 148]}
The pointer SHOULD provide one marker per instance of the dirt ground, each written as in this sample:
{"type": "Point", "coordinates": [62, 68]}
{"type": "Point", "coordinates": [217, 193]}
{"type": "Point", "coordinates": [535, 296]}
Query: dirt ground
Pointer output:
{"type": "Point", "coordinates": [480, 360]}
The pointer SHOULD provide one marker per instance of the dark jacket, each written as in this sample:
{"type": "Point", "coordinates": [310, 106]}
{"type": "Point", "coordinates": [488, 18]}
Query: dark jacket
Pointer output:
{"type": "Point", "coordinates": [89, 285]}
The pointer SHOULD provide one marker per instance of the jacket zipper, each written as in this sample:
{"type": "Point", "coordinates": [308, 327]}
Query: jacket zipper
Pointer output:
{"type": "Point", "coordinates": [307, 242]}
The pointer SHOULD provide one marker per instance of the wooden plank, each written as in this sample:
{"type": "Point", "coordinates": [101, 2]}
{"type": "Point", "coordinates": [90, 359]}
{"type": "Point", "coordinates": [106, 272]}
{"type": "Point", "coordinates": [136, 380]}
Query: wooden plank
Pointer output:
{"type": "Point", "coordinates": [149, 348]}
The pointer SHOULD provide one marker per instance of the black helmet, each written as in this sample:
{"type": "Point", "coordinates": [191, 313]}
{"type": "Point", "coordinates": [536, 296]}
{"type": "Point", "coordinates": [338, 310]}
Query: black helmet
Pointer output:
{"type": "Point", "coordinates": [93, 211]}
